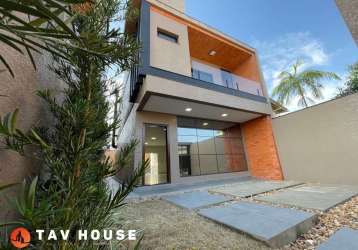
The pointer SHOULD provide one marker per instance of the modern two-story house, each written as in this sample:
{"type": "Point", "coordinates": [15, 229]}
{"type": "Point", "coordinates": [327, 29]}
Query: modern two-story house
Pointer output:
{"type": "Point", "coordinates": [196, 101]}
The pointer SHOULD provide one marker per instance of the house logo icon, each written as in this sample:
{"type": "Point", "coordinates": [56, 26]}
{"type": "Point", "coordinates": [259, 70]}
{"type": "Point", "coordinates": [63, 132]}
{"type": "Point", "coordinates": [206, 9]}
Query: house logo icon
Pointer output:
{"type": "Point", "coordinates": [20, 237]}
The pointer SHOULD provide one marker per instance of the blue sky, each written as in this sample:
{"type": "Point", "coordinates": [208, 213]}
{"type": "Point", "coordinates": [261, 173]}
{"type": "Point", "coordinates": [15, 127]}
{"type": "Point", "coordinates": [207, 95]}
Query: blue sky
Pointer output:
{"type": "Point", "coordinates": [282, 31]}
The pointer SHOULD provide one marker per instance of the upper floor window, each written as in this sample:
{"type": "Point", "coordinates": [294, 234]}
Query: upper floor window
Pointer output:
{"type": "Point", "coordinates": [201, 75]}
{"type": "Point", "coordinates": [167, 35]}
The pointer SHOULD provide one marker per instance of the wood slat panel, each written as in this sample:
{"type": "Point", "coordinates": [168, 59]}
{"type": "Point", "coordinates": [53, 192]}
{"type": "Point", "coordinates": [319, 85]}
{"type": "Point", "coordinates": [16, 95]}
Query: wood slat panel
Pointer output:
{"type": "Point", "coordinates": [227, 57]}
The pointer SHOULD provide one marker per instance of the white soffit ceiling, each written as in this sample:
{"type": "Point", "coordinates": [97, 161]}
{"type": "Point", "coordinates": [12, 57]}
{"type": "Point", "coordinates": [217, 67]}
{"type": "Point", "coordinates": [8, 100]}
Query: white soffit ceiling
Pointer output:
{"type": "Point", "coordinates": [175, 106]}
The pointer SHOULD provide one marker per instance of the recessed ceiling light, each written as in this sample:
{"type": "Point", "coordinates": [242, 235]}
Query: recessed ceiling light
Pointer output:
{"type": "Point", "coordinates": [188, 109]}
{"type": "Point", "coordinates": [224, 115]}
{"type": "Point", "coordinates": [146, 143]}
{"type": "Point", "coordinates": [212, 53]}
{"type": "Point", "coordinates": [153, 138]}
{"type": "Point", "coordinates": [205, 124]}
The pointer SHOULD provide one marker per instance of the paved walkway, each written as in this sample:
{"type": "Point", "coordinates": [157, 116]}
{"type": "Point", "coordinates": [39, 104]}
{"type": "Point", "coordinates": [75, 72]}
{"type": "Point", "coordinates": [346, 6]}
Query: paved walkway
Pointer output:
{"type": "Point", "coordinates": [320, 197]}
{"type": "Point", "coordinates": [273, 225]}
{"type": "Point", "coordinates": [221, 201]}
{"type": "Point", "coordinates": [196, 199]}
{"type": "Point", "coordinates": [253, 187]}
{"type": "Point", "coordinates": [343, 239]}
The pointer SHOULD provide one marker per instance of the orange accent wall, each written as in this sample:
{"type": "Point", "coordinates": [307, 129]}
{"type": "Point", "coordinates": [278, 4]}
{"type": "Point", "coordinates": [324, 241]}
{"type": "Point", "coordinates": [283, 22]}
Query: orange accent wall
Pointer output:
{"type": "Point", "coordinates": [249, 69]}
{"type": "Point", "coordinates": [261, 151]}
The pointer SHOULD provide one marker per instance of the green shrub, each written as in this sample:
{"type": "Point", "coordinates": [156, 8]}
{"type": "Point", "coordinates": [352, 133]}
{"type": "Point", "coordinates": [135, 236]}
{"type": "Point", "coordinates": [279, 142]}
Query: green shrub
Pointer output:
{"type": "Point", "coordinates": [70, 193]}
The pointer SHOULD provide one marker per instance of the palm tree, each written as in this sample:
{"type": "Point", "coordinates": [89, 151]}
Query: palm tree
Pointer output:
{"type": "Point", "coordinates": [302, 84]}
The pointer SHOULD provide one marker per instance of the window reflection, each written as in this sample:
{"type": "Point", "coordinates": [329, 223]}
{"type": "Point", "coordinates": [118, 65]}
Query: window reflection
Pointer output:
{"type": "Point", "coordinates": [218, 133]}
{"type": "Point", "coordinates": [208, 164]}
{"type": "Point", "coordinates": [186, 131]}
{"type": "Point", "coordinates": [223, 145]}
{"type": "Point", "coordinates": [207, 147]}
{"type": "Point", "coordinates": [231, 163]}
{"type": "Point", "coordinates": [190, 141]}
{"type": "Point", "coordinates": [205, 132]}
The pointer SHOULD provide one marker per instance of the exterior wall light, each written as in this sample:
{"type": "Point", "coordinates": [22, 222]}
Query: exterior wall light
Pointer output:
{"type": "Point", "coordinates": [212, 53]}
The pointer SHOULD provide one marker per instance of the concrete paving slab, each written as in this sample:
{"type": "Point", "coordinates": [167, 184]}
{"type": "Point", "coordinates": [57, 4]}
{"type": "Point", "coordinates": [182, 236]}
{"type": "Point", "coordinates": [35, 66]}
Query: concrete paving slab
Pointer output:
{"type": "Point", "coordinates": [157, 191]}
{"type": "Point", "coordinates": [196, 199]}
{"type": "Point", "coordinates": [253, 187]}
{"type": "Point", "coordinates": [321, 197]}
{"type": "Point", "coordinates": [273, 225]}
{"type": "Point", "coordinates": [343, 239]}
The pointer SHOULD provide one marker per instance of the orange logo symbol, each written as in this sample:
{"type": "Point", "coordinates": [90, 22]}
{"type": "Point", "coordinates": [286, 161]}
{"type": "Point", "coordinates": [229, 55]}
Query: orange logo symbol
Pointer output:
{"type": "Point", "coordinates": [20, 237]}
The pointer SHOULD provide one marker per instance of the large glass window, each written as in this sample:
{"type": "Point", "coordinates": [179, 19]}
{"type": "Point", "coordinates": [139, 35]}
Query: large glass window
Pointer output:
{"type": "Point", "coordinates": [209, 147]}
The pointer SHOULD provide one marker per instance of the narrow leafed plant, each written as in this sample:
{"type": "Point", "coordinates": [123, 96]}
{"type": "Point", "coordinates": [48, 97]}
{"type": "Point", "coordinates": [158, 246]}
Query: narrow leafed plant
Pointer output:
{"type": "Point", "coordinates": [70, 193]}
{"type": "Point", "coordinates": [29, 26]}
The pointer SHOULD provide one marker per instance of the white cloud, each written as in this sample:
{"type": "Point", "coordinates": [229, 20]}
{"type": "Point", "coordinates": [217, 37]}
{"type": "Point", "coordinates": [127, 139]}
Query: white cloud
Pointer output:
{"type": "Point", "coordinates": [316, 53]}
{"type": "Point", "coordinates": [279, 54]}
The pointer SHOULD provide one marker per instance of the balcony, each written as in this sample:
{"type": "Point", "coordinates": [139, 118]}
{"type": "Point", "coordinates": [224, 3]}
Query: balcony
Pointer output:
{"type": "Point", "coordinates": [179, 75]}
{"type": "Point", "coordinates": [214, 75]}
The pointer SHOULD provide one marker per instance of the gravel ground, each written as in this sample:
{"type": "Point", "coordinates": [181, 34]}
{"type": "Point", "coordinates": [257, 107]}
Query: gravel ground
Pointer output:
{"type": "Point", "coordinates": [166, 226]}
{"type": "Point", "coordinates": [342, 215]}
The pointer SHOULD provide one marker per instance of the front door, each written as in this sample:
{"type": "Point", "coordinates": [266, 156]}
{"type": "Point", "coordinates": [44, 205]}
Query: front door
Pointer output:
{"type": "Point", "coordinates": [156, 151]}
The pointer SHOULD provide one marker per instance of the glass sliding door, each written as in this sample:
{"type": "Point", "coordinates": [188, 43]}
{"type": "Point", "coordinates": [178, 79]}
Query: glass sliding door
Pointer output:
{"type": "Point", "coordinates": [155, 150]}
{"type": "Point", "coordinates": [209, 147]}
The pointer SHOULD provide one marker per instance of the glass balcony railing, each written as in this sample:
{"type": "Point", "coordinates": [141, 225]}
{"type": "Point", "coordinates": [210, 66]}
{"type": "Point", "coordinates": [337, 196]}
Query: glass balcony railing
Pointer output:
{"type": "Point", "coordinates": [224, 78]}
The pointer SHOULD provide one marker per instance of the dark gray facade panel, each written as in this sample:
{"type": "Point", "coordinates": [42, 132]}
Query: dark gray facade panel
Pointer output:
{"type": "Point", "coordinates": [144, 33]}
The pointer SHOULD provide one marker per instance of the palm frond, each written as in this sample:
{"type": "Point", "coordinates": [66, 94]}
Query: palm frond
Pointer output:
{"type": "Point", "coordinates": [284, 91]}
{"type": "Point", "coordinates": [314, 75]}
{"type": "Point", "coordinates": [302, 84]}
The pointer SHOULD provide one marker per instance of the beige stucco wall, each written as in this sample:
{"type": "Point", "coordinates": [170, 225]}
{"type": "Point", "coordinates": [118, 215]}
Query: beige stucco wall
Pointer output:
{"type": "Point", "coordinates": [176, 4]}
{"type": "Point", "coordinates": [167, 55]}
{"type": "Point", "coordinates": [20, 93]}
{"type": "Point", "coordinates": [320, 143]}
{"type": "Point", "coordinates": [173, 88]}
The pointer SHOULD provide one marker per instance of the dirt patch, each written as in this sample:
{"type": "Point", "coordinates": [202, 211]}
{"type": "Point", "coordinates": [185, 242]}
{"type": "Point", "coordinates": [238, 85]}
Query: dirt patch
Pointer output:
{"type": "Point", "coordinates": [166, 226]}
